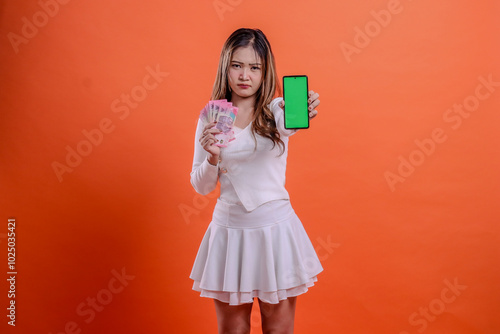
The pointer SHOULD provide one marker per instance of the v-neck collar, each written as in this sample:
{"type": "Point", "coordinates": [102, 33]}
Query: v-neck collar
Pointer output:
{"type": "Point", "coordinates": [242, 130]}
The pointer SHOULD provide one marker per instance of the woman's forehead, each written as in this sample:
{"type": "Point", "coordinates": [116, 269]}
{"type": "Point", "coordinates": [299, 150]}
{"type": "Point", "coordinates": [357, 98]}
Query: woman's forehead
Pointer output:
{"type": "Point", "coordinates": [246, 54]}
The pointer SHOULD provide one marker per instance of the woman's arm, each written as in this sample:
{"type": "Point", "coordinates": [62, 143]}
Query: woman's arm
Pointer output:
{"type": "Point", "coordinates": [276, 107]}
{"type": "Point", "coordinates": [204, 174]}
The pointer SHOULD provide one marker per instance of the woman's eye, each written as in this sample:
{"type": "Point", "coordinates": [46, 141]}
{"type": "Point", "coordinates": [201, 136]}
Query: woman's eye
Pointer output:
{"type": "Point", "coordinates": [255, 68]}
{"type": "Point", "coordinates": [235, 65]}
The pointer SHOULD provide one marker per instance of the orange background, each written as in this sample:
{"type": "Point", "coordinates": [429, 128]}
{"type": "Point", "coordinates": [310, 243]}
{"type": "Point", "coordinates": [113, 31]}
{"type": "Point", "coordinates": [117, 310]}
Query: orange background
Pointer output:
{"type": "Point", "coordinates": [128, 204]}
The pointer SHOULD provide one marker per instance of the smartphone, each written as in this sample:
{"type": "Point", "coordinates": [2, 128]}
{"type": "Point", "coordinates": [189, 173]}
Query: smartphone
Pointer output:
{"type": "Point", "coordinates": [295, 96]}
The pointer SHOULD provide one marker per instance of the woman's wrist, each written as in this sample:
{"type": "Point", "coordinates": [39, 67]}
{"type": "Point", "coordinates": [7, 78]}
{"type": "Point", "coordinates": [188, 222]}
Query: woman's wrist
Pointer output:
{"type": "Point", "coordinates": [213, 159]}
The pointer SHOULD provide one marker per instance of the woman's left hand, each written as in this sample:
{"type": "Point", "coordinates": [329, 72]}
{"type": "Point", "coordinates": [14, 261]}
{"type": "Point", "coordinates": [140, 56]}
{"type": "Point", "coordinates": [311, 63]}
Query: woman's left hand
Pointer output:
{"type": "Point", "coordinates": [312, 101]}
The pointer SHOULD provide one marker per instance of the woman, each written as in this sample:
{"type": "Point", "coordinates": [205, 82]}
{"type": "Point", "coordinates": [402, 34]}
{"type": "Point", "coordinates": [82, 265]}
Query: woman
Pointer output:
{"type": "Point", "coordinates": [255, 245]}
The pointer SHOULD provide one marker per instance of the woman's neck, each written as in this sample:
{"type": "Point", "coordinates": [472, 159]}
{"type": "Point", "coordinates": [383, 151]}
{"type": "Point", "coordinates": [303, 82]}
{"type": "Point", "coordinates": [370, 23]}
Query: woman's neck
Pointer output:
{"type": "Point", "coordinates": [243, 103]}
{"type": "Point", "coordinates": [245, 107]}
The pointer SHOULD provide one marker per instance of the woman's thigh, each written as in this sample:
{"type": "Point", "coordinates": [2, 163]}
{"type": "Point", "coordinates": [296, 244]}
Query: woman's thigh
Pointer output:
{"type": "Point", "coordinates": [278, 318]}
{"type": "Point", "coordinates": [233, 319]}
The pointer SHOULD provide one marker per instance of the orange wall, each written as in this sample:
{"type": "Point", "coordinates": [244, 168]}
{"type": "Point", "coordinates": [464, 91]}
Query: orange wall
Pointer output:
{"type": "Point", "coordinates": [396, 182]}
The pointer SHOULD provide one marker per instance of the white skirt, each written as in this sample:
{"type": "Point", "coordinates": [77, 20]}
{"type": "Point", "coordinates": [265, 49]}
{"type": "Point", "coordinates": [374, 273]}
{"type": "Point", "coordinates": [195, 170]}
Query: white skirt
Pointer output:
{"type": "Point", "coordinates": [265, 253]}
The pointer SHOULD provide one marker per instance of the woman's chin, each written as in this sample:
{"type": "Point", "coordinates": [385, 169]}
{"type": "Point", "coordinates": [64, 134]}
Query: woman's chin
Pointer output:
{"type": "Point", "coordinates": [244, 94]}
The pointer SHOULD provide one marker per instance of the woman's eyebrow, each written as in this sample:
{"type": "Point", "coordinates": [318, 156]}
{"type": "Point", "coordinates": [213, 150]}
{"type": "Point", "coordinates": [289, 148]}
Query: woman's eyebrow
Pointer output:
{"type": "Point", "coordinates": [240, 62]}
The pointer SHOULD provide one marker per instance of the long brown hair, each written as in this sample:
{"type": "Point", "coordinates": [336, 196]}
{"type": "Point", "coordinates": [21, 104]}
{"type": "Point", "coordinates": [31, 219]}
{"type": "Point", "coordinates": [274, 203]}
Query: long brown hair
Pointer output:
{"type": "Point", "coordinates": [264, 123]}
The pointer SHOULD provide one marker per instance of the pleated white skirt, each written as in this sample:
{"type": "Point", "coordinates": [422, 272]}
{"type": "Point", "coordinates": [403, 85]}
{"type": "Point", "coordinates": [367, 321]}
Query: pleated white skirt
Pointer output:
{"type": "Point", "coordinates": [265, 253]}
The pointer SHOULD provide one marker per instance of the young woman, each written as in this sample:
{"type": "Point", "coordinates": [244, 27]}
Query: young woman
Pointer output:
{"type": "Point", "coordinates": [255, 245]}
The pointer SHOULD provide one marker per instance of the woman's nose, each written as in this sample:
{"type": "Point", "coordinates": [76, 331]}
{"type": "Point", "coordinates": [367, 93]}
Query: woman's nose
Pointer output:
{"type": "Point", "coordinates": [244, 74]}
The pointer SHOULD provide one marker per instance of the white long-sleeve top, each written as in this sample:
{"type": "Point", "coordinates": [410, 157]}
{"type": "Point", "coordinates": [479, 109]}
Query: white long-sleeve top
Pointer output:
{"type": "Point", "coordinates": [255, 173]}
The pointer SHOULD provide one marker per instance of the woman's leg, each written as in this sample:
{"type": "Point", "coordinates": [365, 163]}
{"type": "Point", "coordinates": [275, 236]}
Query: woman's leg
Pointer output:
{"type": "Point", "coordinates": [278, 318]}
{"type": "Point", "coordinates": [233, 319]}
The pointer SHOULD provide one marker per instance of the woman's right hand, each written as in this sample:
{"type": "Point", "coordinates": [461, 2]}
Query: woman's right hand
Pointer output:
{"type": "Point", "coordinates": [208, 140]}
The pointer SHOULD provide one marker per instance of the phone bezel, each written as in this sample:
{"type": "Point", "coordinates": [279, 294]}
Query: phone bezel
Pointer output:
{"type": "Point", "coordinates": [307, 97]}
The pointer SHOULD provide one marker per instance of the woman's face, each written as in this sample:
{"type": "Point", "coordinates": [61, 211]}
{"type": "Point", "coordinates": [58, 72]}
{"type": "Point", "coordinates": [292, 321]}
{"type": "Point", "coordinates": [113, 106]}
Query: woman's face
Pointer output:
{"type": "Point", "coordinates": [245, 72]}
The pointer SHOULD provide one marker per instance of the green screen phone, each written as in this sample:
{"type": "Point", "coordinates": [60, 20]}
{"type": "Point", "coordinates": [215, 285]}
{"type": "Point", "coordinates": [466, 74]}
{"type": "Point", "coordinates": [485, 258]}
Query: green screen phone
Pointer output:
{"type": "Point", "coordinates": [295, 96]}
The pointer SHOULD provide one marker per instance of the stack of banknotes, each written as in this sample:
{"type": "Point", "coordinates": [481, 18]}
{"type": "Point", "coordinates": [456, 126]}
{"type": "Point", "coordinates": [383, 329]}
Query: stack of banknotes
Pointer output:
{"type": "Point", "coordinates": [224, 113]}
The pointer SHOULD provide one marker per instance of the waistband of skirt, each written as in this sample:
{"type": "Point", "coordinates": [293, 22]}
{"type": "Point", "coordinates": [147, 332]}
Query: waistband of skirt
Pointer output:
{"type": "Point", "coordinates": [236, 216]}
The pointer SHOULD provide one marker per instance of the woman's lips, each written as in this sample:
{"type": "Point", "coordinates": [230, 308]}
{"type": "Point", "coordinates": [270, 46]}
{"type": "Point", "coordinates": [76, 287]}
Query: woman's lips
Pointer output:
{"type": "Point", "coordinates": [244, 86]}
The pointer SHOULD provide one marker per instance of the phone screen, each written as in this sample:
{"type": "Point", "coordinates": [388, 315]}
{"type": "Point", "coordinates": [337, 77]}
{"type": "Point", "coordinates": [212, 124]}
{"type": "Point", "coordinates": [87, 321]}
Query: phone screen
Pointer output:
{"type": "Point", "coordinates": [295, 96]}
